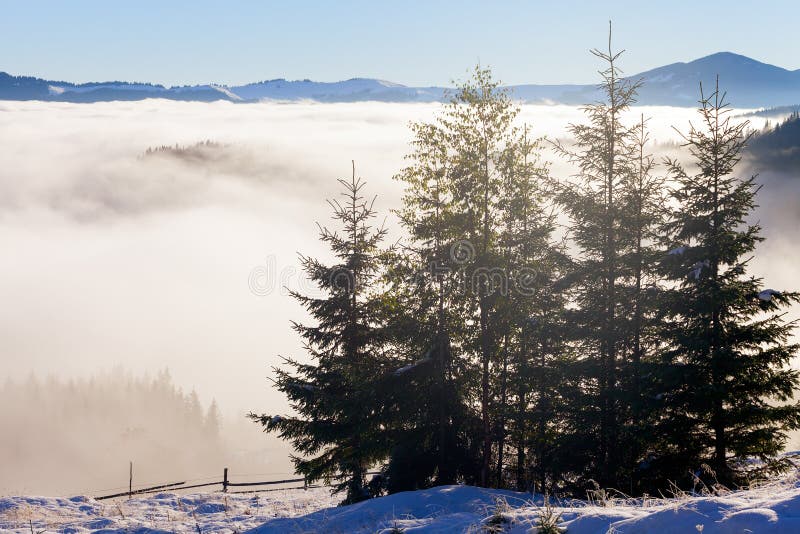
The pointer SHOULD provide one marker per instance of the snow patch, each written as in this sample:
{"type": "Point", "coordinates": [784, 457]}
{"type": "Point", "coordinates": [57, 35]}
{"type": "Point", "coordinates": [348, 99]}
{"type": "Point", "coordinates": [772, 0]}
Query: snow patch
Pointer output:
{"type": "Point", "coordinates": [697, 268]}
{"type": "Point", "coordinates": [227, 92]}
{"type": "Point", "coordinates": [410, 366]}
{"type": "Point", "coordinates": [767, 294]}
{"type": "Point", "coordinates": [209, 513]}
{"type": "Point", "coordinates": [661, 78]}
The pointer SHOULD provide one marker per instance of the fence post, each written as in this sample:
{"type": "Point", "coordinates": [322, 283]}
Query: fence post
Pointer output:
{"type": "Point", "coordinates": [305, 482]}
{"type": "Point", "coordinates": [225, 481]}
{"type": "Point", "coordinates": [130, 479]}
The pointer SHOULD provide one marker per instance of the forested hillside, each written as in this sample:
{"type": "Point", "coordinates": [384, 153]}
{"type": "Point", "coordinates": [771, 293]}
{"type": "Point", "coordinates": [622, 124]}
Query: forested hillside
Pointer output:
{"type": "Point", "coordinates": [777, 147]}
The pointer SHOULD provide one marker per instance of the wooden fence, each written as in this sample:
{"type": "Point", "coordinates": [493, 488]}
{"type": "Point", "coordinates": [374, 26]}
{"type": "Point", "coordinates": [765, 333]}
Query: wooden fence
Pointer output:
{"type": "Point", "coordinates": [225, 483]}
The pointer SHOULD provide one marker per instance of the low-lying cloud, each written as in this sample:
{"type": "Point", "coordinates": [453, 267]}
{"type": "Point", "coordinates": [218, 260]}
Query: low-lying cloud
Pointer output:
{"type": "Point", "coordinates": [121, 258]}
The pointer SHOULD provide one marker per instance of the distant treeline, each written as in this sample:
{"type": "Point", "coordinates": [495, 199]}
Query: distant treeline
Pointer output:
{"type": "Point", "coordinates": [593, 331]}
{"type": "Point", "coordinates": [780, 111]}
{"type": "Point", "coordinates": [79, 435]}
{"type": "Point", "coordinates": [199, 151]}
{"type": "Point", "coordinates": [777, 147]}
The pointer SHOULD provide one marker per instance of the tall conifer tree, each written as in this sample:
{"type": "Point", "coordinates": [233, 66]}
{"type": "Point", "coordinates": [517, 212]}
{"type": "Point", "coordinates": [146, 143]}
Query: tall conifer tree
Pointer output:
{"type": "Point", "coordinates": [597, 201]}
{"type": "Point", "coordinates": [433, 425]}
{"type": "Point", "coordinates": [730, 389]}
{"type": "Point", "coordinates": [337, 428]}
{"type": "Point", "coordinates": [531, 315]}
{"type": "Point", "coordinates": [479, 122]}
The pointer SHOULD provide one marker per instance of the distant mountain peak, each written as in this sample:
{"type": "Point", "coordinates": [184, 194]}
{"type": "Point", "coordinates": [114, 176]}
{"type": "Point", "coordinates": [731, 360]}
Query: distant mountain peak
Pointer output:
{"type": "Point", "coordinates": [726, 55]}
{"type": "Point", "coordinates": [733, 59]}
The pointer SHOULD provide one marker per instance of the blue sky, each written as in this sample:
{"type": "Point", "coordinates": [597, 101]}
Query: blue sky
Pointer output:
{"type": "Point", "coordinates": [407, 41]}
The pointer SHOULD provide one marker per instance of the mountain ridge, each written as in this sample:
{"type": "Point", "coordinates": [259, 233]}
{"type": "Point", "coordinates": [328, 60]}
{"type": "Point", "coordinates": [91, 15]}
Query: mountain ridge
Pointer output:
{"type": "Point", "coordinates": [748, 83]}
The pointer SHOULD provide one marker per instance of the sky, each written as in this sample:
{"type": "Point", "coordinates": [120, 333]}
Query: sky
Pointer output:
{"type": "Point", "coordinates": [412, 42]}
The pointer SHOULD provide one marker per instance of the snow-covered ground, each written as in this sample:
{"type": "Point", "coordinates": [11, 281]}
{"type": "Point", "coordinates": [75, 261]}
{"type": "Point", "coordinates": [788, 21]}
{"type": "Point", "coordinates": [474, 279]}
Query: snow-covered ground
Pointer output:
{"type": "Point", "coordinates": [774, 508]}
{"type": "Point", "coordinates": [771, 508]}
{"type": "Point", "coordinates": [204, 513]}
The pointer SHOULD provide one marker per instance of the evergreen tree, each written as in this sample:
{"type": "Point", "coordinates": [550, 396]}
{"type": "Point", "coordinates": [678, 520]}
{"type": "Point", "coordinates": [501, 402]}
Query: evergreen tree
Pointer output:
{"type": "Point", "coordinates": [644, 197]}
{"type": "Point", "coordinates": [530, 313]}
{"type": "Point", "coordinates": [432, 439]}
{"type": "Point", "coordinates": [478, 123]}
{"type": "Point", "coordinates": [467, 172]}
{"type": "Point", "coordinates": [597, 201]}
{"type": "Point", "coordinates": [337, 429]}
{"type": "Point", "coordinates": [213, 420]}
{"type": "Point", "coordinates": [728, 394]}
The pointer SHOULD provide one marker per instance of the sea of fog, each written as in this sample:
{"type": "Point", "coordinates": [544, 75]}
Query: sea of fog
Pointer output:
{"type": "Point", "coordinates": [117, 258]}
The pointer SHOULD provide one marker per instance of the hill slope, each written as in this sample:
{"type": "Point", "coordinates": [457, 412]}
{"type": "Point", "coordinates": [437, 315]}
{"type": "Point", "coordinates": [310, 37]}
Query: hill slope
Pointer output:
{"type": "Point", "coordinates": [774, 508]}
{"type": "Point", "coordinates": [777, 148]}
{"type": "Point", "coordinates": [749, 83]}
{"type": "Point", "coordinates": [770, 509]}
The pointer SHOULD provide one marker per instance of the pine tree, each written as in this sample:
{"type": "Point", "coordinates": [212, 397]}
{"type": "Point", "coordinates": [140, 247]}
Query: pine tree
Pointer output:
{"type": "Point", "coordinates": [644, 197]}
{"type": "Point", "coordinates": [597, 201]}
{"type": "Point", "coordinates": [337, 430]}
{"type": "Point", "coordinates": [213, 420]}
{"type": "Point", "coordinates": [453, 213]}
{"type": "Point", "coordinates": [729, 393]}
{"type": "Point", "coordinates": [530, 311]}
{"type": "Point", "coordinates": [431, 444]}
{"type": "Point", "coordinates": [478, 123]}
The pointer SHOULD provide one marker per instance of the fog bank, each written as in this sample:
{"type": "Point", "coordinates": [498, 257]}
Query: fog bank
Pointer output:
{"type": "Point", "coordinates": [120, 258]}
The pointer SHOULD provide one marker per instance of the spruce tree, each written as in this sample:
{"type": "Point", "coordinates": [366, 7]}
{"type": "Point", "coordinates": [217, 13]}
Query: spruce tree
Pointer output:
{"type": "Point", "coordinates": [454, 209]}
{"type": "Point", "coordinates": [530, 313]}
{"type": "Point", "coordinates": [337, 430]}
{"type": "Point", "coordinates": [478, 123]}
{"type": "Point", "coordinates": [644, 197]}
{"type": "Point", "coordinates": [730, 387]}
{"type": "Point", "coordinates": [597, 201]}
{"type": "Point", "coordinates": [432, 426]}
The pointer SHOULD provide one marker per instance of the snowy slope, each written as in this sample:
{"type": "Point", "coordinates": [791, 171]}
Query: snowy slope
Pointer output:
{"type": "Point", "coordinates": [772, 508]}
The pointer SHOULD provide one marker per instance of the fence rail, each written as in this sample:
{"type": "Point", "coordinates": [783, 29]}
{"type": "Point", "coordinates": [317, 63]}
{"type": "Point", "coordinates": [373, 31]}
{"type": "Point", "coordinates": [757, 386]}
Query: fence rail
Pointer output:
{"type": "Point", "coordinates": [225, 483]}
{"type": "Point", "coordinates": [142, 490]}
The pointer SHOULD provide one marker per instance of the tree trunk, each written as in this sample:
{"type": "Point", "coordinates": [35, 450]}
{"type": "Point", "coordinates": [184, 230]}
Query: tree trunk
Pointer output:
{"type": "Point", "coordinates": [501, 439]}
{"type": "Point", "coordinates": [487, 429]}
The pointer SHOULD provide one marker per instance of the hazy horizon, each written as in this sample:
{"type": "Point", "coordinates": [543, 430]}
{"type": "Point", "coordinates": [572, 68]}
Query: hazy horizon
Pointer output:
{"type": "Point", "coordinates": [450, 83]}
